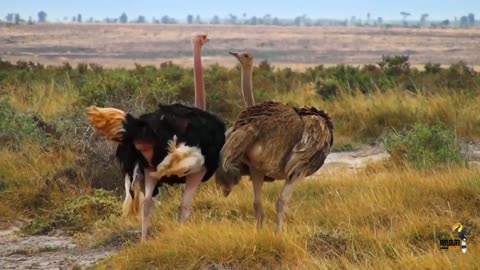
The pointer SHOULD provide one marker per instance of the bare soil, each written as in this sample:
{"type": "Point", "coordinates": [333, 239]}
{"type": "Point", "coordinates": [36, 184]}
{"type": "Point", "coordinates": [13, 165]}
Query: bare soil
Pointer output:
{"type": "Point", "coordinates": [297, 47]}
{"type": "Point", "coordinates": [46, 252]}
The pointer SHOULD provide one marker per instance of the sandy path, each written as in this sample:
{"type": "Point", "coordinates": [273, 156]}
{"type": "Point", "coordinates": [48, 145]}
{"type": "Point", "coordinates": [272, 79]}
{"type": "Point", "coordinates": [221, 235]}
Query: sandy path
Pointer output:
{"type": "Point", "coordinates": [45, 252]}
{"type": "Point", "coordinates": [351, 161]}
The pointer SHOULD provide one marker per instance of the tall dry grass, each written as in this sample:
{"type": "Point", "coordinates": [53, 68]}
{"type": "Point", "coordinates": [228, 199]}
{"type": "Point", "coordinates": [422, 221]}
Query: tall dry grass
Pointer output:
{"type": "Point", "coordinates": [367, 116]}
{"type": "Point", "coordinates": [382, 218]}
{"type": "Point", "coordinates": [49, 101]}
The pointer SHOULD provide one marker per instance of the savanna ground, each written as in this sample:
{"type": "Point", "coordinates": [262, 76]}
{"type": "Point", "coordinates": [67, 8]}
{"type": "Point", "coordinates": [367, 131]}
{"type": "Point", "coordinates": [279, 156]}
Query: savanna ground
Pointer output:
{"type": "Point", "coordinates": [295, 47]}
{"type": "Point", "coordinates": [59, 182]}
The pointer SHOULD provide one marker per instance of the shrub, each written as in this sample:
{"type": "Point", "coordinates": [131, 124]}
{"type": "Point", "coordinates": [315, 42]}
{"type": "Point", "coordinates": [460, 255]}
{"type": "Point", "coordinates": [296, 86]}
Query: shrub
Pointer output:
{"type": "Point", "coordinates": [327, 89]}
{"type": "Point", "coordinates": [432, 68]}
{"type": "Point", "coordinates": [424, 146]}
{"type": "Point", "coordinates": [14, 125]}
{"type": "Point", "coordinates": [77, 214]}
{"type": "Point", "coordinates": [395, 65]}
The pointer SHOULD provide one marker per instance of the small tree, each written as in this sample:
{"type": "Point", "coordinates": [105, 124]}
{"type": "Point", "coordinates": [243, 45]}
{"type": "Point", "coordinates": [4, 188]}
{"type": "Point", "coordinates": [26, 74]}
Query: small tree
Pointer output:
{"type": "Point", "coordinates": [379, 21]}
{"type": "Point", "coordinates": [141, 19]}
{"type": "Point", "coordinates": [79, 18]}
{"type": "Point", "coordinates": [190, 19]}
{"type": "Point", "coordinates": [123, 18]}
{"type": "Point", "coordinates": [445, 23]}
{"type": "Point", "coordinates": [423, 19]}
{"type": "Point", "coordinates": [9, 18]}
{"type": "Point", "coordinates": [165, 19]}
{"type": "Point", "coordinates": [405, 15]}
{"type": "Point", "coordinates": [464, 21]}
{"type": "Point", "coordinates": [42, 17]}
{"type": "Point", "coordinates": [17, 18]}
{"type": "Point", "coordinates": [471, 19]}
{"type": "Point", "coordinates": [215, 20]}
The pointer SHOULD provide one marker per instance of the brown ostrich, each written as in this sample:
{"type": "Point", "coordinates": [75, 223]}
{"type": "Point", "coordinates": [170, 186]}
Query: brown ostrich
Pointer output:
{"type": "Point", "coordinates": [273, 141]}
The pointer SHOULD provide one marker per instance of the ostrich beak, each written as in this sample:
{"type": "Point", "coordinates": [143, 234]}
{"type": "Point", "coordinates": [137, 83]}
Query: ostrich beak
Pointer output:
{"type": "Point", "coordinates": [226, 192]}
{"type": "Point", "coordinates": [234, 54]}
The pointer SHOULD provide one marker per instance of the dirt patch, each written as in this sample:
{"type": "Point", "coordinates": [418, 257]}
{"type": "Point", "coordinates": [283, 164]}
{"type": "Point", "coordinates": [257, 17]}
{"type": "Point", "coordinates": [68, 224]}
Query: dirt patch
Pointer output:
{"type": "Point", "coordinates": [124, 45]}
{"type": "Point", "coordinates": [352, 161]}
{"type": "Point", "coordinates": [46, 252]}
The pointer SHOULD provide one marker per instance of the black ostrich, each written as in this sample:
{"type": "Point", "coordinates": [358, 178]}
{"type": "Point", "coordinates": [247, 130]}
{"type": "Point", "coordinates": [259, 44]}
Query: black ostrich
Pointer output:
{"type": "Point", "coordinates": [174, 133]}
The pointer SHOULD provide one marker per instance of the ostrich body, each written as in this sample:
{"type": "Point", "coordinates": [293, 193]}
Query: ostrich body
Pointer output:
{"type": "Point", "coordinates": [151, 134]}
{"type": "Point", "coordinates": [273, 141]}
{"type": "Point", "coordinates": [128, 156]}
{"type": "Point", "coordinates": [145, 142]}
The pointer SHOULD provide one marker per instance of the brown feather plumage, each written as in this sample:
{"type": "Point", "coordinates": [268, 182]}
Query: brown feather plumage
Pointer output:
{"type": "Point", "coordinates": [273, 141]}
{"type": "Point", "coordinates": [282, 141]}
{"type": "Point", "coordinates": [107, 121]}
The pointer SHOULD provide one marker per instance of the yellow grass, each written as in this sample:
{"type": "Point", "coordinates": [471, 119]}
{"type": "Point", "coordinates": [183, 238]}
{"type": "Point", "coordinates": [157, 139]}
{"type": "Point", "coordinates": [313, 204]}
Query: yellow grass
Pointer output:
{"type": "Point", "coordinates": [366, 116]}
{"type": "Point", "coordinates": [383, 218]}
{"type": "Point", "coordinates": [25, 172]}
{"type": "Point", "coordinates": [48, 100]}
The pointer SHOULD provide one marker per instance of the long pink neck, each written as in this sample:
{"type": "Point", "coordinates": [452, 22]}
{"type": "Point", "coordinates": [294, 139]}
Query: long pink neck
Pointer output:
{"type": "Point", "coordinates": [247, 87]}
{"type": "Point", "coordinates": [198, 76]}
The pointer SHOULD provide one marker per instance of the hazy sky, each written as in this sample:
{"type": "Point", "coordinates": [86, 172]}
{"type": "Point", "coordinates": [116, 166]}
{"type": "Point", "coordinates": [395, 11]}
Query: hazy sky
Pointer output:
{"type": "Point", "coordinates": [341, 9]}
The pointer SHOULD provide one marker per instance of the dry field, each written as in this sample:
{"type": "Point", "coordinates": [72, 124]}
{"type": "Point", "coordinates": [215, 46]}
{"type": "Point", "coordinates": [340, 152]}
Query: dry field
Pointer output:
{"type": "Point", "coordinates": [296, 47]}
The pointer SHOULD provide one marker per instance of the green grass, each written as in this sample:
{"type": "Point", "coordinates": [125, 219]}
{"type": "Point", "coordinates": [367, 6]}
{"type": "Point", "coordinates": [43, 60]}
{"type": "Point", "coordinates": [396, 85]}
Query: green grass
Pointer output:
{"type": "Point", "coordinates": [425, 146]}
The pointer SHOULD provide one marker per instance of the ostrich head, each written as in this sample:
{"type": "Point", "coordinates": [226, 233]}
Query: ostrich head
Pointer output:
{"type": "Point", "coordinates": [226, 180]}
{"type": "Point", "coordinates": [200, 39]}
{"type": "Point", "coordinates": [245, 58]}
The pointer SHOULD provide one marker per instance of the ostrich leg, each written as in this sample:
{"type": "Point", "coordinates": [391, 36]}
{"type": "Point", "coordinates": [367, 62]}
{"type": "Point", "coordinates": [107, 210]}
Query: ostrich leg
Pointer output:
{"type": "Point", "coordinates": [191, 185]}
{"type": "Point", "coordinates": [282, 202]}
{"type": "Point", "coordinates": [257, 182]}
{"type": "Point", "coordinates": [150, 184]}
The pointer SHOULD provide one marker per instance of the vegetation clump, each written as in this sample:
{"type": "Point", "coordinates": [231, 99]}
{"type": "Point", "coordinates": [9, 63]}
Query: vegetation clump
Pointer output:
{"type": "Point", "coordinates": [425, 146]}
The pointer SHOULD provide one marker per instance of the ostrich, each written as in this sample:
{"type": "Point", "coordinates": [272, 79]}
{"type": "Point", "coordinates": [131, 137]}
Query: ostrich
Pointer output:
{"type": "Point", "coordinates": [127, 154]}
{"type": "Point", "coordinates": [246, 66]}
{"type": "Point", "coordinates": [273, 141]}
{"type": "Point", "coordinates": [152, 138]}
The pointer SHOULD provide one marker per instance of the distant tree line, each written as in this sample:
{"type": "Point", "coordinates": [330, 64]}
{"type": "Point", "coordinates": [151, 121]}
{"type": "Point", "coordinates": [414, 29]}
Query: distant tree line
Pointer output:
{"type": "Point", "coordinates": [232, 19]}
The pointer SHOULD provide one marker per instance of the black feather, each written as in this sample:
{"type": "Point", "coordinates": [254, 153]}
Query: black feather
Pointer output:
{"type": "Point", "coordinates": [192, 126]}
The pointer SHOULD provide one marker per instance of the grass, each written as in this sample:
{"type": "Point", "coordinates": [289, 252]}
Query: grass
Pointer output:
{"type": "Point", "coordinates": [382, 218]}
{"type": "Point", "coordinates": [385, 217]}
{"type": "Point", "coordinates": [368, 116]}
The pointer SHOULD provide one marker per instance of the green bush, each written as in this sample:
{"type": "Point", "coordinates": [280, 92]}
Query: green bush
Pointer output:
{"type": "Point", "coordinates": [395, 65]}
{"type": "Point", "coordinates": [425, 146]}
{"type": "Point", "coordinates": [327, 89]}
{"type": "Point", "coordinates": [77, 214]}
{"type": "Point", "coordinates": [15, 125]}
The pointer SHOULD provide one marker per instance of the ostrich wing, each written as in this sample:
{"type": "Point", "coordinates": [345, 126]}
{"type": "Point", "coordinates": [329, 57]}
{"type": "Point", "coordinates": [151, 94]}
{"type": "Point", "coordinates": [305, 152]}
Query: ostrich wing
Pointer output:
{"type": "Point", "coordinates": [237, 143]}
{"type": "Point", "coordinates": [310, 152]}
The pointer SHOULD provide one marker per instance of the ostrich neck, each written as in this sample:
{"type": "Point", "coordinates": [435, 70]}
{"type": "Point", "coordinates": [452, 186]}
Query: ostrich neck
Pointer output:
{"type": "Point", "coordinates": [247, 87]}
{"type": "Point", "coordinates": [198, 76]}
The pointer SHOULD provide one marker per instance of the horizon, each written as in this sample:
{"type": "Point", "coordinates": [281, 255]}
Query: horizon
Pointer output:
{"type": "Point", "coordinates": [339, 10]}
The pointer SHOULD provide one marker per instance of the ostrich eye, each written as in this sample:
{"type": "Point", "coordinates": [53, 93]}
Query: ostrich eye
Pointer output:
{"type": "Point", "coordinates": [246, 55]}
{"type": "Point", "coordinates": [204, 36]}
